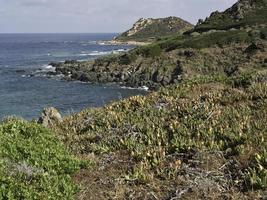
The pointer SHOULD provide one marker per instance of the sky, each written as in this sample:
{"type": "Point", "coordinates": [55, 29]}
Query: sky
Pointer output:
{"type": "Point", "coordinates": [96, 16]}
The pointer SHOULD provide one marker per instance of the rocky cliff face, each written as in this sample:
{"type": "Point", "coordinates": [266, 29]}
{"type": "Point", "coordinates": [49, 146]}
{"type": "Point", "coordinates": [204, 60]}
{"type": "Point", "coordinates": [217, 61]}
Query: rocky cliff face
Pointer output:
{"type": "Point", "coordinates": [147, 29]}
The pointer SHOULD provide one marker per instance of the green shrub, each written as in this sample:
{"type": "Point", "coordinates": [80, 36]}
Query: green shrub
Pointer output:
{"type": "Point", "coordinates": [150, 51]}
{"type": "Point", "coordinates": [34, 164]}
{"type": "Point", "coordinates": [257, 174]}
{"type": "Point", "coordinates": [127, 59]}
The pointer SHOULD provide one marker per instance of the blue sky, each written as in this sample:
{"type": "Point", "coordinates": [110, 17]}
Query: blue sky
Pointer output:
{"type": "Point", "coordinates": [96, 15]}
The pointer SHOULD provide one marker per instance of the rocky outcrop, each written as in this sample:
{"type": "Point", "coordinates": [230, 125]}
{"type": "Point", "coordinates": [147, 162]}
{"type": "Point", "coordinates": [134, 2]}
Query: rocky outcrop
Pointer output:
{"type": "Point", "coordinates": [145, 30]}
{"type": "Point", "coordinates": [50, 117]}
{"type": "Point", "coordinates": [149, 72]}
{"type": "Point", "coordinates": [138, 26]}
{"type": "Point", "coordinates": [168, 68]}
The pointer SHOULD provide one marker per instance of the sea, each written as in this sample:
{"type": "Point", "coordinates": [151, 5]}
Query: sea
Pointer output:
{"type": "Point", "coordinates": [26, 86]}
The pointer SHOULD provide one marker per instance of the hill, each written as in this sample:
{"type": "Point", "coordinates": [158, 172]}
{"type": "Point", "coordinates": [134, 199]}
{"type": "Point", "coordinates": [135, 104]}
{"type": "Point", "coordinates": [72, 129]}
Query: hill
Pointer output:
{"type": "Point", "coordinates": [244, 13]}
{"type": "Point", "coordinates": [150, 29]}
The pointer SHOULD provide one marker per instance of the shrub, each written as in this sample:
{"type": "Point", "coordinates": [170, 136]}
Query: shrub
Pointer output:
{"type": "Point", "coordinates": [34, 164]}
{"type": "Point", "coordinates": [150, 51]}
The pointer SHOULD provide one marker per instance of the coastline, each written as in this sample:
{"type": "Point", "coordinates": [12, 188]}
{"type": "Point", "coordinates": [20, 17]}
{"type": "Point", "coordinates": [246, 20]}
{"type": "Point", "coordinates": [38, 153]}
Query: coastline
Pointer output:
{"type": "Point", "coordinates": [117, 42]}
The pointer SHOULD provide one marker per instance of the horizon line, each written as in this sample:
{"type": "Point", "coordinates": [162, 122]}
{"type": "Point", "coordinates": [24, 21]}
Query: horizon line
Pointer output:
{"type": "Point", "coordinates": [60, 32]}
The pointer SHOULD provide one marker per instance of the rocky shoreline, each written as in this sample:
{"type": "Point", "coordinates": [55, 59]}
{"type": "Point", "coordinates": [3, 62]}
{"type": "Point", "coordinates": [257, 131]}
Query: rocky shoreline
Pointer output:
{"type": "Point", "coordinates": [134, 75]}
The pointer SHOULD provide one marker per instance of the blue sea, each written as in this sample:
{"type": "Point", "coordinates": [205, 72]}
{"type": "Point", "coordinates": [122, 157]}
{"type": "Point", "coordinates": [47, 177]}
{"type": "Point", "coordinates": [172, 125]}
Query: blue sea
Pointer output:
{"type": "Point", "coordinates": [25, 86]}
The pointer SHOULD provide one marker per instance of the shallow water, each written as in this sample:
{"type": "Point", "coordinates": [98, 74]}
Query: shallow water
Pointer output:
{"type": "Point", "coordinates": [25, 88]}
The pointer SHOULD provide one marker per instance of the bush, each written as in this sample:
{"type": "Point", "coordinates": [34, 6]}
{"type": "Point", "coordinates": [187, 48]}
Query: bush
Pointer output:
{"type": "Point", "coordinates": [34, 164]}
{"type": "Point", "coordinates": [127, 59]}
{"type": "Point", "coordinates": [150, 51]}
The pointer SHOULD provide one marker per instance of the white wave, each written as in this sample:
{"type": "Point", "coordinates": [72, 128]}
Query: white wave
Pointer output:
{"type": "Point", "coordinates": [121, 50]}
{"type": "Point", "coordinates": [26, 76]}
{"type": "Point", "coordinates": [46, 69]}
{"type": "Point", "coordinates": [101, 53]}
{"type": "Point", "coordinates": [49, 67]}
{"type": "Point", "coordinates": [88, 42]}
{"type": "Point", "coordinates": [145, 88]}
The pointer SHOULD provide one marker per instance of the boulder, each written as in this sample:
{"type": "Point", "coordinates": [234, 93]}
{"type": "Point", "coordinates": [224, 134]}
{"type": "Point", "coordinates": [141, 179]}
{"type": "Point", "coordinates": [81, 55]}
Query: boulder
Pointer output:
{"type": "Point", "coordinates": [50, 116]}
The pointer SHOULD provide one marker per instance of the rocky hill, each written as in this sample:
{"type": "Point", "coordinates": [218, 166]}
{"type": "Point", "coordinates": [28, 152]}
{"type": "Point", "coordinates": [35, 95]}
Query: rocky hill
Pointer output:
{"type": "Point", "coordinates": [244, 13]}
{"type": "Point", "coordinates": [149, 29]}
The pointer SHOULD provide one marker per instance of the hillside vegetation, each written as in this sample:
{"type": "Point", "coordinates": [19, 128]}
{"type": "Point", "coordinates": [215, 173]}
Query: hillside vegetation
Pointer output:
{"type": "Point", "coordinates": [202, 139]}
{"type": "Point", "coordinates": [34, 163]}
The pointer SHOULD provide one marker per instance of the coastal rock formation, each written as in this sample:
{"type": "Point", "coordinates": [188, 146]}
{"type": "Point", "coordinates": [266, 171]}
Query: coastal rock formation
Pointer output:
{"type": "Point", "coordinates": [50, 117]}
{"type": "Point", "coordinates": [150, 29]}
{"type": "Point", "coordinates": [223, 43]}
{"type": "Point", "coordinates": [167, 68]}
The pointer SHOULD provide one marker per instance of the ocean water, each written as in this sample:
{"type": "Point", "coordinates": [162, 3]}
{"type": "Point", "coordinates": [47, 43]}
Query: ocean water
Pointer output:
{"type": "Point", "coordinates": [25, 87]}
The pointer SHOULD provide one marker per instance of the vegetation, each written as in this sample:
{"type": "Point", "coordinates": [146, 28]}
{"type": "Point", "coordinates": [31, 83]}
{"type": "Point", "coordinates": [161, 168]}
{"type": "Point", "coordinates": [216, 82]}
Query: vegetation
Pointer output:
{"type": "Point", "coordinates": [34, 164]}
{"type": "Point", "coordinates": [166, 132]}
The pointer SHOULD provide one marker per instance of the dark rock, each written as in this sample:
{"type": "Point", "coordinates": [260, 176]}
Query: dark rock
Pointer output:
{"type": "Point", "coordinates": [254, 47]}
{"type": "Point", "coordinates": [231, 70]}
{"type": "Point", "coordinates": [177, 72]}
{"type": "Point", "coordinates": [189, 53]}
{"type": "Point", "coordinates": [51, 73]}
{"type": "Point", "coordinates": [20, 71]}
{"type": "Point", "coordinates": [70, 61]}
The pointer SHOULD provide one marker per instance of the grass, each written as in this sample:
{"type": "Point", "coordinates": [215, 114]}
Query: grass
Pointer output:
{"type": "Point", "coordinates": [34, 164]}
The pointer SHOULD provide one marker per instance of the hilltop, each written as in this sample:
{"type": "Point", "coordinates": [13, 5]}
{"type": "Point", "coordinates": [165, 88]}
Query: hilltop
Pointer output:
{"type": "Point", "coordinates": [145, 30]}
{"type": "Point", "coordinates": [243, 14]}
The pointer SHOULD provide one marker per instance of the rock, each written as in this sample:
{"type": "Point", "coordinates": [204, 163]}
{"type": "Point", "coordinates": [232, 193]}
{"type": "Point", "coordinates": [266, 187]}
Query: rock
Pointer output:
{"type": "Point", "coordinates": [231, 70]}
{"type": "Point", "coordinates": [49, 117]}
{"type": "Point", "coordinates": [20, 71]}
{"type": "Point", "coordinates": [70, 61]}
{"type": "Point", "coordinates": [254, 47]}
